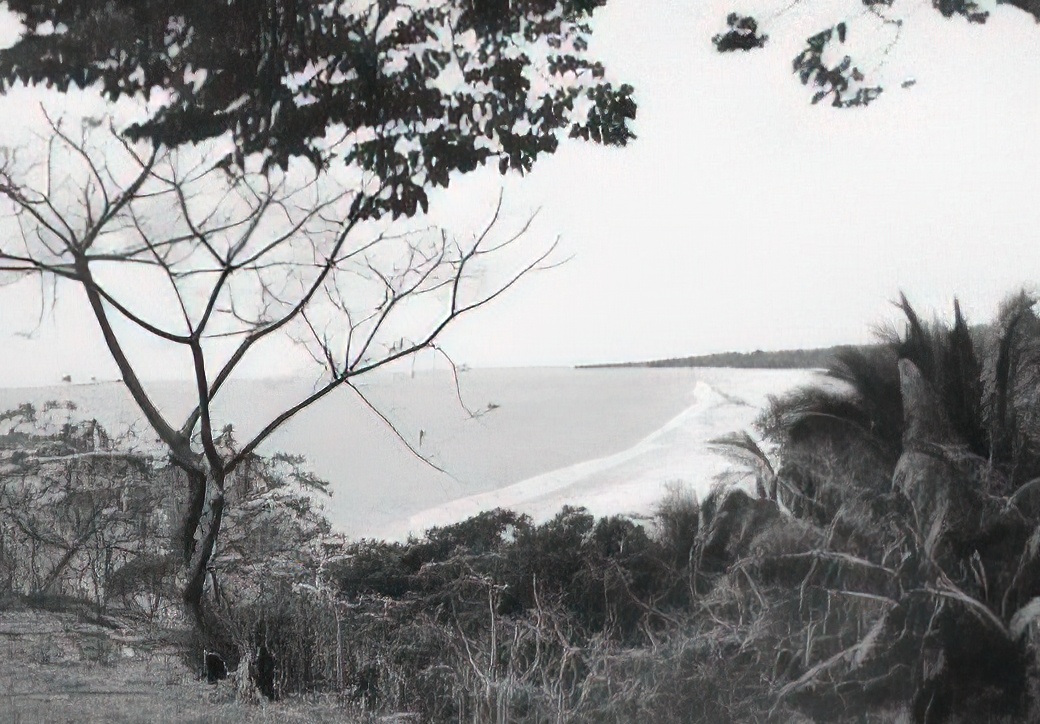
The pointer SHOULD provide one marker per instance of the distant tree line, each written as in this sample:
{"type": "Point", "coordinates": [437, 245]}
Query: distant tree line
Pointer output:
{"type": "Point", "coordinates": [819, 358]}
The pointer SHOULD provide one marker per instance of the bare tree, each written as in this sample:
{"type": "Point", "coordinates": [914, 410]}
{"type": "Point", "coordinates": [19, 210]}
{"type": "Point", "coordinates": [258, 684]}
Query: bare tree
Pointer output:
{"type": "Point", "coordinates": [214, 261]}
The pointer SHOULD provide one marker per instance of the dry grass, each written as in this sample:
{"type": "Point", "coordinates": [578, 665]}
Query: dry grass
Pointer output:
{"type": "Point", "coordinates": [55, 668]}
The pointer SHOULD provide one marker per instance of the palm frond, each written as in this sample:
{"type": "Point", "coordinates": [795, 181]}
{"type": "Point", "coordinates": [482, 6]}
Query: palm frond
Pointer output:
{"type": "Point", "coordinates": [742, 449]}
{"type": "Point", "coordinates": [961, 384]}
{"type": "Point", "coordinates": [919, 341]}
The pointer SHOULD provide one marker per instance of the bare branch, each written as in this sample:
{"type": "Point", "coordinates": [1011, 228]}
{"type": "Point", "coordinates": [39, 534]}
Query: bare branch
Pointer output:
{"type": "Point", "coordinates": [152, 329]}
{"type": "Point", "coordinates": [177, 443]}
{"type": "Point", "coordinates": [262, 332]}
{"type": "Point", "coordinates": [458, 386]}
{"type": "Point", "coordinates": [78, 149]}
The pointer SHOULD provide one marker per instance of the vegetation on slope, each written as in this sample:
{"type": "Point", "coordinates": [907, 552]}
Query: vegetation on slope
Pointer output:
{"type": "Point", "coordinates": [884, 560]}
{"type": "Point", "coordinates": [918, 478]}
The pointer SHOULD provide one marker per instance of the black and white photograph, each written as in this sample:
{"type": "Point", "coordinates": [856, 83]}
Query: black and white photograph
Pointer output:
{"type": "Point", "coordinates": [534, 361]}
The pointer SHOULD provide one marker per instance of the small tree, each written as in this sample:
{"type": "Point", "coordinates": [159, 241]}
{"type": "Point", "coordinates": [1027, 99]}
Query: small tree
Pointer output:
{"type": "Point", "coordinates": [384, 99]}
{"type": "Point", "coordinates": [230, 260]}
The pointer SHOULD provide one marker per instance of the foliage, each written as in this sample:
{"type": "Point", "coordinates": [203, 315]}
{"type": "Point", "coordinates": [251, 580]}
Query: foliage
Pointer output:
{"type": "Point", "coordinates": [497, 618]}
{"type": "Point", "coordinates": [833, 73]}
{"type": "Point", "coordinates": [742, 35]}
{"type": "Point", "coordinates": [82, 514]}
{"type": "Point", "coordinates": [73, 506]}
{"type": "Point", "coordinates": [410, 94]}
{"type": "Point", "coordinates": [842, 81]}
{"type": "Point", "coordinates": [602, 572]}
{"type": "Point", "coordinates": [918, 566]}
{"type": "Point", "coordinates": [966, 8]}
{"type": "Point", "coordinates": [677, 523]}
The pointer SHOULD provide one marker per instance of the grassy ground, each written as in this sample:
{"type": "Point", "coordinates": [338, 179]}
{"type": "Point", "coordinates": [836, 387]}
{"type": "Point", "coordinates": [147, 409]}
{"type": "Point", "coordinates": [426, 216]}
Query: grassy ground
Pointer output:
{"type": "Point", "coordinates": [56, 668]}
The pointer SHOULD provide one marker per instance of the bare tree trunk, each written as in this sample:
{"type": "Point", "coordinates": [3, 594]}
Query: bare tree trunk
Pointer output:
{"type": "Point", "coordinates": [201, 529]}
{"type": "Point", "coordinates": [193, 513]}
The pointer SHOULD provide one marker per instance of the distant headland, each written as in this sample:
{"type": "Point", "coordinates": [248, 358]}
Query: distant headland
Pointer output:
{"type": "Point", "coordinates": [779, 359]}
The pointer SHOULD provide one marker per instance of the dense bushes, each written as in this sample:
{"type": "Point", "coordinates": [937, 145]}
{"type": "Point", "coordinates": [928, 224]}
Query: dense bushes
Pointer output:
{"type": "Point", "coordinates": [602, 573]}
{"type": "Point", "coordinates": [74, 509]}
{"type": "Point", "coordinates": [84, 514]}
{"type": "Point", "coordinates": [500, 619]}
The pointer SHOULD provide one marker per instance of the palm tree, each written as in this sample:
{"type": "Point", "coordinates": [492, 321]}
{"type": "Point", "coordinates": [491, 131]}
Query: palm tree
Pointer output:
{"type": "Point", "coordinates": [918, 464]}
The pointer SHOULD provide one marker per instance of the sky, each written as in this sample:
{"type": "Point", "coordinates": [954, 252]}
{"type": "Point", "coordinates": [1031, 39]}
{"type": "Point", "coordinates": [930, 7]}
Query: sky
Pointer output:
{"type": "Point", "coordinates": [742, 217]}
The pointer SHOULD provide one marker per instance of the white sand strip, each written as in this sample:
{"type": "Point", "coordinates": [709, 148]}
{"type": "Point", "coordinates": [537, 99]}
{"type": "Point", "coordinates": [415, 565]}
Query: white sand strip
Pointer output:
{"type": "Point", "coordinates": [632, 481]}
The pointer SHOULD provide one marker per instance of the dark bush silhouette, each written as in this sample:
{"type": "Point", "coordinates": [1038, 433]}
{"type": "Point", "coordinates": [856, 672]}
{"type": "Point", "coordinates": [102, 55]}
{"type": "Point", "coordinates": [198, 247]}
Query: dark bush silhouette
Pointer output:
{"type": "Point", "coordinates": [742, 35]}
{"type": "Point", "coordinates": [215, 667]}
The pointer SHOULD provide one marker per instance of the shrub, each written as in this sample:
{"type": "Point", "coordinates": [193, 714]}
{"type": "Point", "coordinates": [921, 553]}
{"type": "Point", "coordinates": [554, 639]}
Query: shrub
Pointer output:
{"type": "Point", "coordinates": [677, 524]}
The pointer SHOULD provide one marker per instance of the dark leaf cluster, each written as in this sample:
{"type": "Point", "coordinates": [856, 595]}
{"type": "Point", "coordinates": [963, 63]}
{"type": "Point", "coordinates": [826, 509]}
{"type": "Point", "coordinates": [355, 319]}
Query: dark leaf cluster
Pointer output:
{"type": "Point", "coordinates": [742, 34]}
{"type": "Point", "coordinates": [410, 93]}
{"type": "Point", "coordinates": [842, 81]}
{"type": "Point", "coordinates": [1030, 6]}
{"type": "Point", "coordinates": [965, 8]}
{"type": "Point", "coordinates": [601, 571]}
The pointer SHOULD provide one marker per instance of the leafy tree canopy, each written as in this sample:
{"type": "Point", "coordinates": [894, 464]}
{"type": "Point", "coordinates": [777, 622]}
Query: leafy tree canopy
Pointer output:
{"type": "Point", "coordinates": [408, 92]}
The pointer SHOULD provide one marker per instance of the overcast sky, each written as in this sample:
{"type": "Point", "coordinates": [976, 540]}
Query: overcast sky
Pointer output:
{"type": "Point", "coordinates": [743, 217]}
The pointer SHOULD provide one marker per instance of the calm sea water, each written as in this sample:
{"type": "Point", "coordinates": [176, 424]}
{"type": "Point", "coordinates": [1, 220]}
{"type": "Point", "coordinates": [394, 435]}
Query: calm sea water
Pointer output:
{"type": "Point", "coordinates": [528, 422]}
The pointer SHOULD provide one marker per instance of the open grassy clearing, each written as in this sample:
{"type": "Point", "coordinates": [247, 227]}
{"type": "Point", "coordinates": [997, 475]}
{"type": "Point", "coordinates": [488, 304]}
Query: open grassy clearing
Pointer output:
{"type": "Point", "coordinates": [57, 667]}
